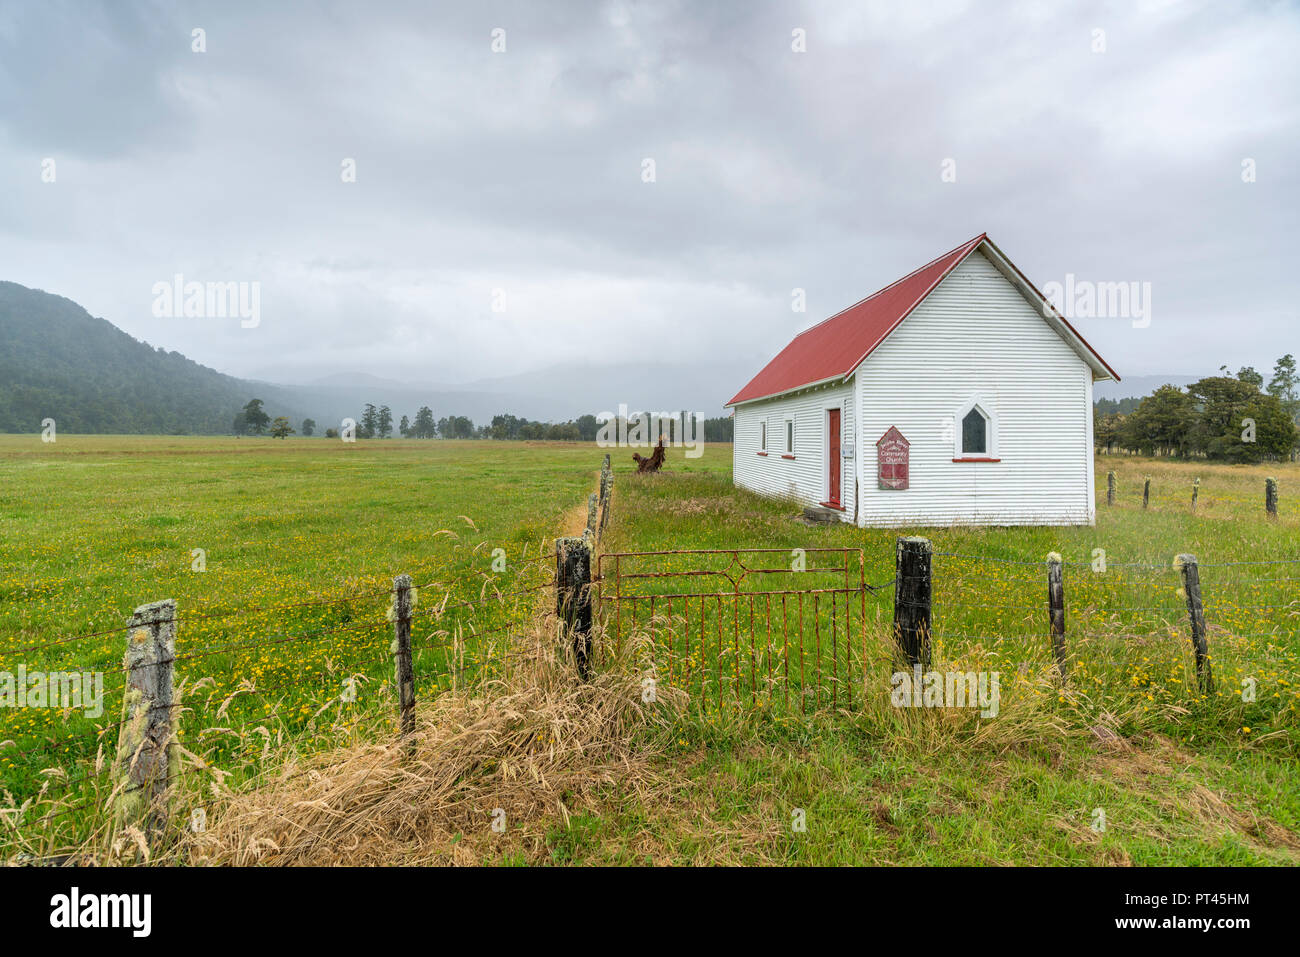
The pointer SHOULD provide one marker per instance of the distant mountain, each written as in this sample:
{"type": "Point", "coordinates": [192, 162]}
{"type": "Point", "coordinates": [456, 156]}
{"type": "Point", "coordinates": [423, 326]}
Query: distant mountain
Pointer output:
{"type": "Point", "coordinates": [1139, 386]}
{"type": "Point", "coordinates": [57, 361]}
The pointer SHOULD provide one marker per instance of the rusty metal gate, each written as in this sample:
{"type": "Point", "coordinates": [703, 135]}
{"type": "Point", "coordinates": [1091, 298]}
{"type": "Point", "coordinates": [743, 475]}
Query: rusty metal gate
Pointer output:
{"type": "Point", "coordinates": [763, 635]}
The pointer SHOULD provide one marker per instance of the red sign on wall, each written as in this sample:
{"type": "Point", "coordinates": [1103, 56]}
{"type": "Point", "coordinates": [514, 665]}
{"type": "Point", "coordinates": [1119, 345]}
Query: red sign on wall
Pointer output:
{"type": "Point", "coordinates": [892, 459]}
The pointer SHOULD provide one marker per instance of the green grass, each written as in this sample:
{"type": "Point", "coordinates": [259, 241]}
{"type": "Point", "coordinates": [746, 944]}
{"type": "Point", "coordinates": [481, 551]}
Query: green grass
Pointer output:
{"type": "Point", "coordinates": [302, 540]}
{"type": "Point", "coordinates": [93, 526]}
{"type": "Point", "coordinates": [1193, 779]}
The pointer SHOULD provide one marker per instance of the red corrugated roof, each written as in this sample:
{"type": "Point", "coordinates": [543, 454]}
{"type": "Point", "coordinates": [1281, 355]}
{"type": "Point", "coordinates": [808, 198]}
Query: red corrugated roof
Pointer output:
{"type": "Point", "coordinates": [834, 348]}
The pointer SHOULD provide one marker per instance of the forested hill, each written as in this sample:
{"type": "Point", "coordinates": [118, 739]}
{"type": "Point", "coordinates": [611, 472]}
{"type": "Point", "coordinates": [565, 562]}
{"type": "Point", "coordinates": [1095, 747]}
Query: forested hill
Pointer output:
{"type": "Point", "coordinates": [57, 361]}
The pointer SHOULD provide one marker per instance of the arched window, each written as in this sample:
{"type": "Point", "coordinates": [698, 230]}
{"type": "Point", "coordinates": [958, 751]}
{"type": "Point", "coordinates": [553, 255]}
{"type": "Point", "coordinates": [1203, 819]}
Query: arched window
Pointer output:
{"type": "Point", "coordinates": [975, 433]}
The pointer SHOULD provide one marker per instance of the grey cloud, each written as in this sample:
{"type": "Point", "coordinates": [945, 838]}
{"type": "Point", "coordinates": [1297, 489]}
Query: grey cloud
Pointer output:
{"type": "Point", "coordinates": [521, 171]}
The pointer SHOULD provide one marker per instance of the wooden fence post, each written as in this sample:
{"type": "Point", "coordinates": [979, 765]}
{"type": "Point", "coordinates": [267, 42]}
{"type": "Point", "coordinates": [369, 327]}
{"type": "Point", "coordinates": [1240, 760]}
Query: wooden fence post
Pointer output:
{"type": "Point", "coordinates": [912, 596]}
{"type": "Point", "coordinates": [573, 597]}
{"type": "Point", "coordinates": [1192, 589]}
{"type": "Point", "coordinates": [1270, 497]}
{"type": "Point", "coordinates": [591, 516]}
{"type": "Point", "coordinates": [404, 669]}
{"type": "Point", "coordinates": [145, 758]}
{"type": "Point", "coordinates": [1110, 487]}
{"type": "Point", "coordinates": [1196, 488]}
{"type": "Point", "coordinates": [1146, 492]}
{"type": "Point", "coordinates": [1056, 610]}
{"type": "Point", "coordinates": [606, 493]}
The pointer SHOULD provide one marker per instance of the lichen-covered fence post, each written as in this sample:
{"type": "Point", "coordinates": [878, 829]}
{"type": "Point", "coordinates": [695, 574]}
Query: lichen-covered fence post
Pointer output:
{"type": "Point", "coordinates": [404, 670]}
{"type": "Point", "coordinates": [1270, 497]}
{"type": "Point", "coordinates": [591, 516]}
{"type": "Point", "coordinates": [1110, 487]}
{"type": "Point", "coordinates": [606, 489]}
{"type": "Point", "coordinates": [1196, 613]}
{"type": "Point", "coordinates": [1056, 610]}
{"type": "Point", "coordinates": [1146, 492]}
{"type": "Point", "coordinates": [912, 594]}
{"type": "Point", "coordinates": [573, 597]}
{"type": "Point", "coordinates": [146, 761]}
{"type": "Point", "coordinates": [1196, 488]}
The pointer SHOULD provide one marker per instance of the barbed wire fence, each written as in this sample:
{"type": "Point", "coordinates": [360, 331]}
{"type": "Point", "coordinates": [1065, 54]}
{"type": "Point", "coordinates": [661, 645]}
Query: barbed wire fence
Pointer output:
{"type": "Point", "coordinates": [206, 691]}
{"type": "Point", "coordinates": [1189, 495]}
{"type": "Point", "coordinates": [1097, 622]}
{"type": "Point", "coordinates": [198, 694]}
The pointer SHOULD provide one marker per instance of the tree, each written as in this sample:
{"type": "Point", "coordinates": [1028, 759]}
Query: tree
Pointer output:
{"type": "Point", "coordinates": [240, 425]}
{"type": "Point", "coordinates": [1161, 425]}
{"type": "Point", "coordinates": [369, 423]}
{"type": "Point", "coordinates": [255, 419]}
{"type": "Point", "coordinates": [1275, 431]}
{"type": "Point", "coordinates": [1248, 374]}
{"type": "Point", "coordinates": [587, 428]}
{"type": "Point", "coordinates": [1106, 429]}
{"type": "Point", "coordinates": [308, 426]}
{"type": "Point", "coordinates": [280, 428]}
{"type": "Point", "coordinates": [331, 433]}
{"type": "Point", "coordinates": [1285, 385]}
{"type": "Point", "coordinates": [405, 427]}
{"type": "Point", "coordinates": [384, 423]}
{"type": "Point", "coordinates": [719, 430]}
{"type": "Point", "coordinates": [1223, 403]}
{"type": "Point", "coordinates": [424, 427]}
{"type": "Point", "coordinates": [1285, 381]}
{"type": "Point", "coordinates": [505, 427]}
{"type": "Point", "coordinates": [456, 427]}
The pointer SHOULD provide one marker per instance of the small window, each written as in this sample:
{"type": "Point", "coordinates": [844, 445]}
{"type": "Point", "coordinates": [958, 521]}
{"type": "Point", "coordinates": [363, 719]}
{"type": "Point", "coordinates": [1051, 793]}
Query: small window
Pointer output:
{"type": "Point", "coordinates": [762, 436]}
{"type": "Point", "coordinates": [974, 433]}
{"type": "Point", "coordinates": [789, 436]}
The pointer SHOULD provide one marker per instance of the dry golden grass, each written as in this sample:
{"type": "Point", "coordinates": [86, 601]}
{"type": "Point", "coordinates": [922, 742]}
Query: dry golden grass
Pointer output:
{"type": "Point", "coordinates": [534, 745]}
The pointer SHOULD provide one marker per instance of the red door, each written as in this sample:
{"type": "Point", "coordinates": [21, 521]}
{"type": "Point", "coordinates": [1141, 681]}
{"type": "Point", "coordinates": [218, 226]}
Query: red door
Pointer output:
{"type": "Point", "coordinates": [833, 459]}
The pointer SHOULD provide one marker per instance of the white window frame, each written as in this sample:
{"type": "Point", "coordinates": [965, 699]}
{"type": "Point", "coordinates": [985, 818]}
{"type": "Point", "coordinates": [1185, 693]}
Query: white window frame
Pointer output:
{"type": "Point", "coordinates": [762, 435]}
{"type": "Point", "coordinates": [984, 405]}
{"type": "Point", "coordinates": [789, 435]}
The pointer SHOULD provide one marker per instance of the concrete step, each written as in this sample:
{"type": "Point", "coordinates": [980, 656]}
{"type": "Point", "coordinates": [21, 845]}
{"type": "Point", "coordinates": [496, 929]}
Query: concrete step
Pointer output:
{"type": "Point", "coordinates": [822, 515]}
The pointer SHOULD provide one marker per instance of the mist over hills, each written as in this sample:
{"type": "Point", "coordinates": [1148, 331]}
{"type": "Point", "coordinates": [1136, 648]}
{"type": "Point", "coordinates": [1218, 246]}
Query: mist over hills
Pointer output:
{"type": "Point", "coordinates": [57, 361]}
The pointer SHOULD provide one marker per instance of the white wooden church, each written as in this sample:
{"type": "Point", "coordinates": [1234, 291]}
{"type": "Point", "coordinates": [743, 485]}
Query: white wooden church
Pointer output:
{"type": "Point", "coordinates": [955, 396]}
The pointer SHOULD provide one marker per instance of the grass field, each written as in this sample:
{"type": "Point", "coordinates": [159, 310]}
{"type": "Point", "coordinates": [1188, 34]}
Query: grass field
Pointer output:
{"type": "Point", "coordinates": [303, 537]}
{"type": "Point", "coordinates": [1190, 779]}
{"type": "Point", "coordinates": [301, 541]}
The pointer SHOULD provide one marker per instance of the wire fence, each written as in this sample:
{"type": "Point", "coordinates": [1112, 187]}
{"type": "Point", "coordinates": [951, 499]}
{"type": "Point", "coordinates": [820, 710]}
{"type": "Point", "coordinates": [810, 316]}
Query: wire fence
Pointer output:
{"type": "Point", "coordinates": [805, 636]}
{"type": "Point", "coordinates": [247, 680]}
{"type": "Point", "coordinates": [797, 629]}
{"type": "Point", "coordinates": [1126, 626]}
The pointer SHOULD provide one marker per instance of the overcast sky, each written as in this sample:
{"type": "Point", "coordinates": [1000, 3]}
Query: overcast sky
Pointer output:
{"type": "Point", "coordinates": [1106, 141]}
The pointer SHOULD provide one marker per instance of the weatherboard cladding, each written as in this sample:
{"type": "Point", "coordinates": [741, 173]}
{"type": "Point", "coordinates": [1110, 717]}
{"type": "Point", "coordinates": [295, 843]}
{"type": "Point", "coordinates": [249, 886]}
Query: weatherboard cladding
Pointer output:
{"type": "Point", "coordinates": [832, 349]}
{"type": "Point", "coordinates": [1040, 391]}
{"type": "Point", "coordinates": [804, 477]}
{"type": "Point", "coordinates": [918, 379]}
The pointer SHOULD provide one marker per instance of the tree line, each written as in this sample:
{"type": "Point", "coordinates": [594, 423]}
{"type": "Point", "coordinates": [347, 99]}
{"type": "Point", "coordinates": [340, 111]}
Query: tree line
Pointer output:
{"type": "Point", "coordinates": [1230, 418]}
{"type": "Point", "coordinates": [376, 422]}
